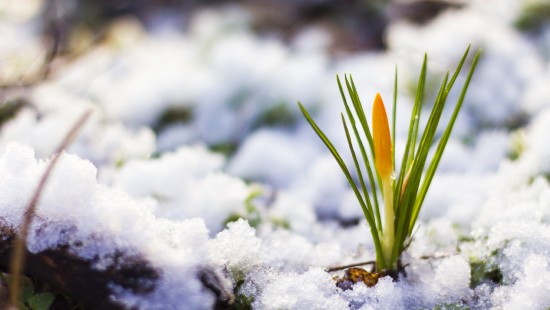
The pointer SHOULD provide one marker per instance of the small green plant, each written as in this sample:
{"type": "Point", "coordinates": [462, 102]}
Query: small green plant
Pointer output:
{"type": "Point", "coordinates": [30, 299]}
{"type": "Point", "coordinates": [253, 212]}
{"type": "Point", "coordinates": [403, 193]}
{"type": "Point", "coordinates": [481, 271]}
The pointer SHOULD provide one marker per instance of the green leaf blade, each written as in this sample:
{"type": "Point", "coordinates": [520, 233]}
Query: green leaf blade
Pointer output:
{"type": "Point", "coordinates": [41, 301]}
{"type": "Point", "coordinates": [336, 155]}
{"type": "Point", "coordinates": [443, 143]}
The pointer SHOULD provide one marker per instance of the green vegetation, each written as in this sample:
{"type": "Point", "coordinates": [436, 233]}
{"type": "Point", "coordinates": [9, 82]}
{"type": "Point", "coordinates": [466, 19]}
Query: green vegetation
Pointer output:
{"type": "Point", "coordinates": [402, 191]}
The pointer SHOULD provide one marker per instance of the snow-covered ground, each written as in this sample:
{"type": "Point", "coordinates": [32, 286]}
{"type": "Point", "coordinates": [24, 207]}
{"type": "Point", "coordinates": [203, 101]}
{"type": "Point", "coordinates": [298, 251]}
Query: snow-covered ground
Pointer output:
{"type": "Point", "coordinates": [172, 188]}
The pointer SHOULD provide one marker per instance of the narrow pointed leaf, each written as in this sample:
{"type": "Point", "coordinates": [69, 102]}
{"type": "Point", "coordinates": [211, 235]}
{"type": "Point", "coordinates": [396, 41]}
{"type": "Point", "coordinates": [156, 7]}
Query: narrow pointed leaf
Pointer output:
{"type": "Point", "coordinates": [409, 149]}
{"type": "Point", "coordinates": [340, 161]}
{"type": "Point", "coordinates": [365, 160]}
{"type": "Point", "coordinates": [394, 116]}
{"type": "Point", "coordinates": [442, 143]}
{"type": "Point", "coordinates": [358, 108]}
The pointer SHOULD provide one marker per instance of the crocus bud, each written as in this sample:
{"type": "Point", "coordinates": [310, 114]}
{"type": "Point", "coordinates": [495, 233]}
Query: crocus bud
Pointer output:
{"type": "Point", "coordinates": [381, 139]}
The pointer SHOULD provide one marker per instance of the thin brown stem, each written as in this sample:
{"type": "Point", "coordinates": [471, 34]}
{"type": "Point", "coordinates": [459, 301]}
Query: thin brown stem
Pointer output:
{"type": "Point", "coordinates": [18, 256]}
{"type": "Point", "coordinates": [436, 256]}
{"type": "Point", "coordinates": [332, 269]}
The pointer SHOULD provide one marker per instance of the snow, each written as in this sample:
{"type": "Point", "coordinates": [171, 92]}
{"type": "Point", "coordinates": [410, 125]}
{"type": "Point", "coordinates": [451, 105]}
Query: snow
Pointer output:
{"type": "Point", "coordinates": [185, 183]}
{"type": "Point", "coordinates": [227, 249]}
{"type": "Point", "coordinates": [313, 289]}
{"type": "Point", "coordinates": [279, 164]}
{"type": "Point", "coordinates": [94, 221]}
{"type": "Point", "coordinates": [531, 291]}
{"type": "Point", "coordinates": [158, 192]}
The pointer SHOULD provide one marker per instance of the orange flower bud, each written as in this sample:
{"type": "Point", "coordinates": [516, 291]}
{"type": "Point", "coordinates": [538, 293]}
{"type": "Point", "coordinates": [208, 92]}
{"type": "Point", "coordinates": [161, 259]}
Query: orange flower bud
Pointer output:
{"type": "Point", "coordinates": [381, 139]}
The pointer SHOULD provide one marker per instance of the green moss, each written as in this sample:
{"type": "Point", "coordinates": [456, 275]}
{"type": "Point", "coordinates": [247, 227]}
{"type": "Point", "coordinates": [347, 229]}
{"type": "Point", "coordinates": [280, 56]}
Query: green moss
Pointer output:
{"type": "Point", "coordinates": [517, 145]}
{"type": "Point", "coordinates": [278, 115]}
{"type": "Point", "coordinates": [227, 148]}
{"type": "Point", "coordinates": [465, 238]}
{"type": "Point", "coordinates": [253, 213]}
{"type": "Point", "coordinates": [32, 298]}
{"type": "Point", "coordinates": [174, 115]}
{"type": "Point", "coordinates": [279, 222]}
{"type": "Point", "coordinates": [483, 271]}
{"type": "Point", "coordinates": [242, 302]}
{"type": "Point", "coordinates": [41, 301]}
{"type": "Point", "coordinates": [253, 219]}
{"type": "Point", "coordinates": [533, 16]}
{"type": "Point", "coordinates": [452, 306]}
{"type": "Point", "coordinates": [9, 109]}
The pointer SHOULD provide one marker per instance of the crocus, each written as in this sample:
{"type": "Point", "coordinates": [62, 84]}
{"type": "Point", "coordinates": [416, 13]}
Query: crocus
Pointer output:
{"type": "Point", "coordinates": [404, 191]}
{"type": "Point", "coordinates": [384, 167]}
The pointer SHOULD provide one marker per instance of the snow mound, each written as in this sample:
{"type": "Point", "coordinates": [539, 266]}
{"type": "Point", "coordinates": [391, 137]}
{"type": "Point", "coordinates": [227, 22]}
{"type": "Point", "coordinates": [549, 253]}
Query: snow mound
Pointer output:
{"type": "Point", "coordinates": [103, 226]}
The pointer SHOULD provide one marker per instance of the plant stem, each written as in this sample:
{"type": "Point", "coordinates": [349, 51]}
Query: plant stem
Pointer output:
{"type": "Point", "coordinates": [389, 218]}
{"type": "Point", "coordinates": [18, 255]}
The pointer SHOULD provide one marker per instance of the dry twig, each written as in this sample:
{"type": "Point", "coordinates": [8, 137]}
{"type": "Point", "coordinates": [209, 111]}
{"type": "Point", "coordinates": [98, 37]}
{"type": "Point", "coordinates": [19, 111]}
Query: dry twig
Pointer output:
{"type": "Point", "coordinates": [18, 255]}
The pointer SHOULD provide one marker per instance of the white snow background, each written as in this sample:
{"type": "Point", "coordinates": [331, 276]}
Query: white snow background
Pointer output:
{"type": "Point", "coordinates": [129, 182]}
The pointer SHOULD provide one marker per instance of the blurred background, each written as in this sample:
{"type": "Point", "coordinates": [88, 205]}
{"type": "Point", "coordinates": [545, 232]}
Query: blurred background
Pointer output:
{"type": "Point", "coordinates": [351, 25]}
{"type": "Point", "coordinates": [227, 75]}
